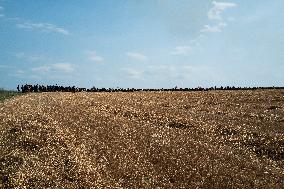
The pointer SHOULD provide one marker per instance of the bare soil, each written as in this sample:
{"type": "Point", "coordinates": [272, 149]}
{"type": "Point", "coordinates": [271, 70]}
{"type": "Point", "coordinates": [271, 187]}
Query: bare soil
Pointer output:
{"type": "Point", "coordinates": [215, 139]}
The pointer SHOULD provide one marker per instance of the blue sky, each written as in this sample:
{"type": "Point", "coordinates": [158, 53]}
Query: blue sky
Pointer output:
{"type": "Point", "coordinates": [142, 44]}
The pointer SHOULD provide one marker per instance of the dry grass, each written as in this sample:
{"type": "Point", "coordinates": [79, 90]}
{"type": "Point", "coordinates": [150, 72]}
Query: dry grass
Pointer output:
{"type": "Point", "coordinates": [216, 139]}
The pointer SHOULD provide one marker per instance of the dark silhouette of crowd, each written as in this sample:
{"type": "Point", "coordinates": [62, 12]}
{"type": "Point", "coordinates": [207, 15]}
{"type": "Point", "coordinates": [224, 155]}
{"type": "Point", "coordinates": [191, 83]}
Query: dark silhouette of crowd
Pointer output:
{"type": "Point", "coordinates": [55, 88]}
{"type": "Point", "coordinates": [49, 88]}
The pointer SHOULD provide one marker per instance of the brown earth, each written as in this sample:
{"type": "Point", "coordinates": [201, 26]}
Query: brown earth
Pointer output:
{"type": "Point", "coordinates": [216, 139]}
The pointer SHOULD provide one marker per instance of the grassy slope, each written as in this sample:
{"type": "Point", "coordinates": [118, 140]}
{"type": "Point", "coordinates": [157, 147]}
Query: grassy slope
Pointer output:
{"type": "Point", "coordinates": [4, 94]}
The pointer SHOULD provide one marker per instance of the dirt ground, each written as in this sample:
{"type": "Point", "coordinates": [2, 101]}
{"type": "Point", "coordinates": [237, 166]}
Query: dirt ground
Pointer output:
{"type": "Point", "coordinates": [215, 139]}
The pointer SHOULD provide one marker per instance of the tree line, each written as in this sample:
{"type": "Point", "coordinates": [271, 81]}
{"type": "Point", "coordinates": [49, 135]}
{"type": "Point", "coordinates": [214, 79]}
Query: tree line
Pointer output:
{"type": "Point", "coordinates": [56, 88]}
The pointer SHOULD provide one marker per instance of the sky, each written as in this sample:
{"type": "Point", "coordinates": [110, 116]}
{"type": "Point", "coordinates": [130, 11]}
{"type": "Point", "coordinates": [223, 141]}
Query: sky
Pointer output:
{"type": "Point", "coordinates": [142, 44]}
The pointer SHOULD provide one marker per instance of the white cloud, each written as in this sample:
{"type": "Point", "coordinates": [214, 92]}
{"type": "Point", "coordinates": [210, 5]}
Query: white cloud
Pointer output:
{"type": "Point", "coordinates": [160, 71]}
{"type": "Point", "coordinates": [133, 73]}
{"type": "Point", "coordinates": [59, 67]}
{"type": "Point", "coordinates": [215, 15]}
{"type": "Point", "coordinates": [20, 72]}
{"type": "Point", "coordinates": [182, 50]}
{"type": "Point", "coordinates": [6, 66]}
{"type": "Point", "coordinates": [63, 67]}
{"type": "Point", "coordinates": [28, 25]}
{"type": "Point", "coordinates": [92, 55]}
{"type": "Point", "coordinates": [218, 8]}
{"type": "Point", "coordinates": [30, 57]}
{"type": "Point", "coordinates": [42, 69]}
{"type": "Point", "coordinates": [183, 75]}
{"type": "Point", "coordinates": [45, 27]}
{"type": "Point", "coordinates": [216, 28]}
{"type": "Point", "coordinates": [136, 56]}
{"type": "Point", "coordinates": [2, 12]}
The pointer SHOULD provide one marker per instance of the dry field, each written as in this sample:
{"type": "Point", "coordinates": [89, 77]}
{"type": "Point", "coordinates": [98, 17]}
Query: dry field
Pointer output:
{"type": "Point", "coordinates": [216, 139]}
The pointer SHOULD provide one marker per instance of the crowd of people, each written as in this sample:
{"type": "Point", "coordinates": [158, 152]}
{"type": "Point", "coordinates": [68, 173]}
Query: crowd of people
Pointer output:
{"type": "Point", "coordinates": [49, 88]}
{"type": "Point", "coordinates": [55, 88]}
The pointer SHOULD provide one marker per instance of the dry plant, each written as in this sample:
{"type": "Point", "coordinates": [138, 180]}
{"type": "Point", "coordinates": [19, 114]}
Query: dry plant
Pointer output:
{"type": "Point", "coordinates": [216, 139]}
